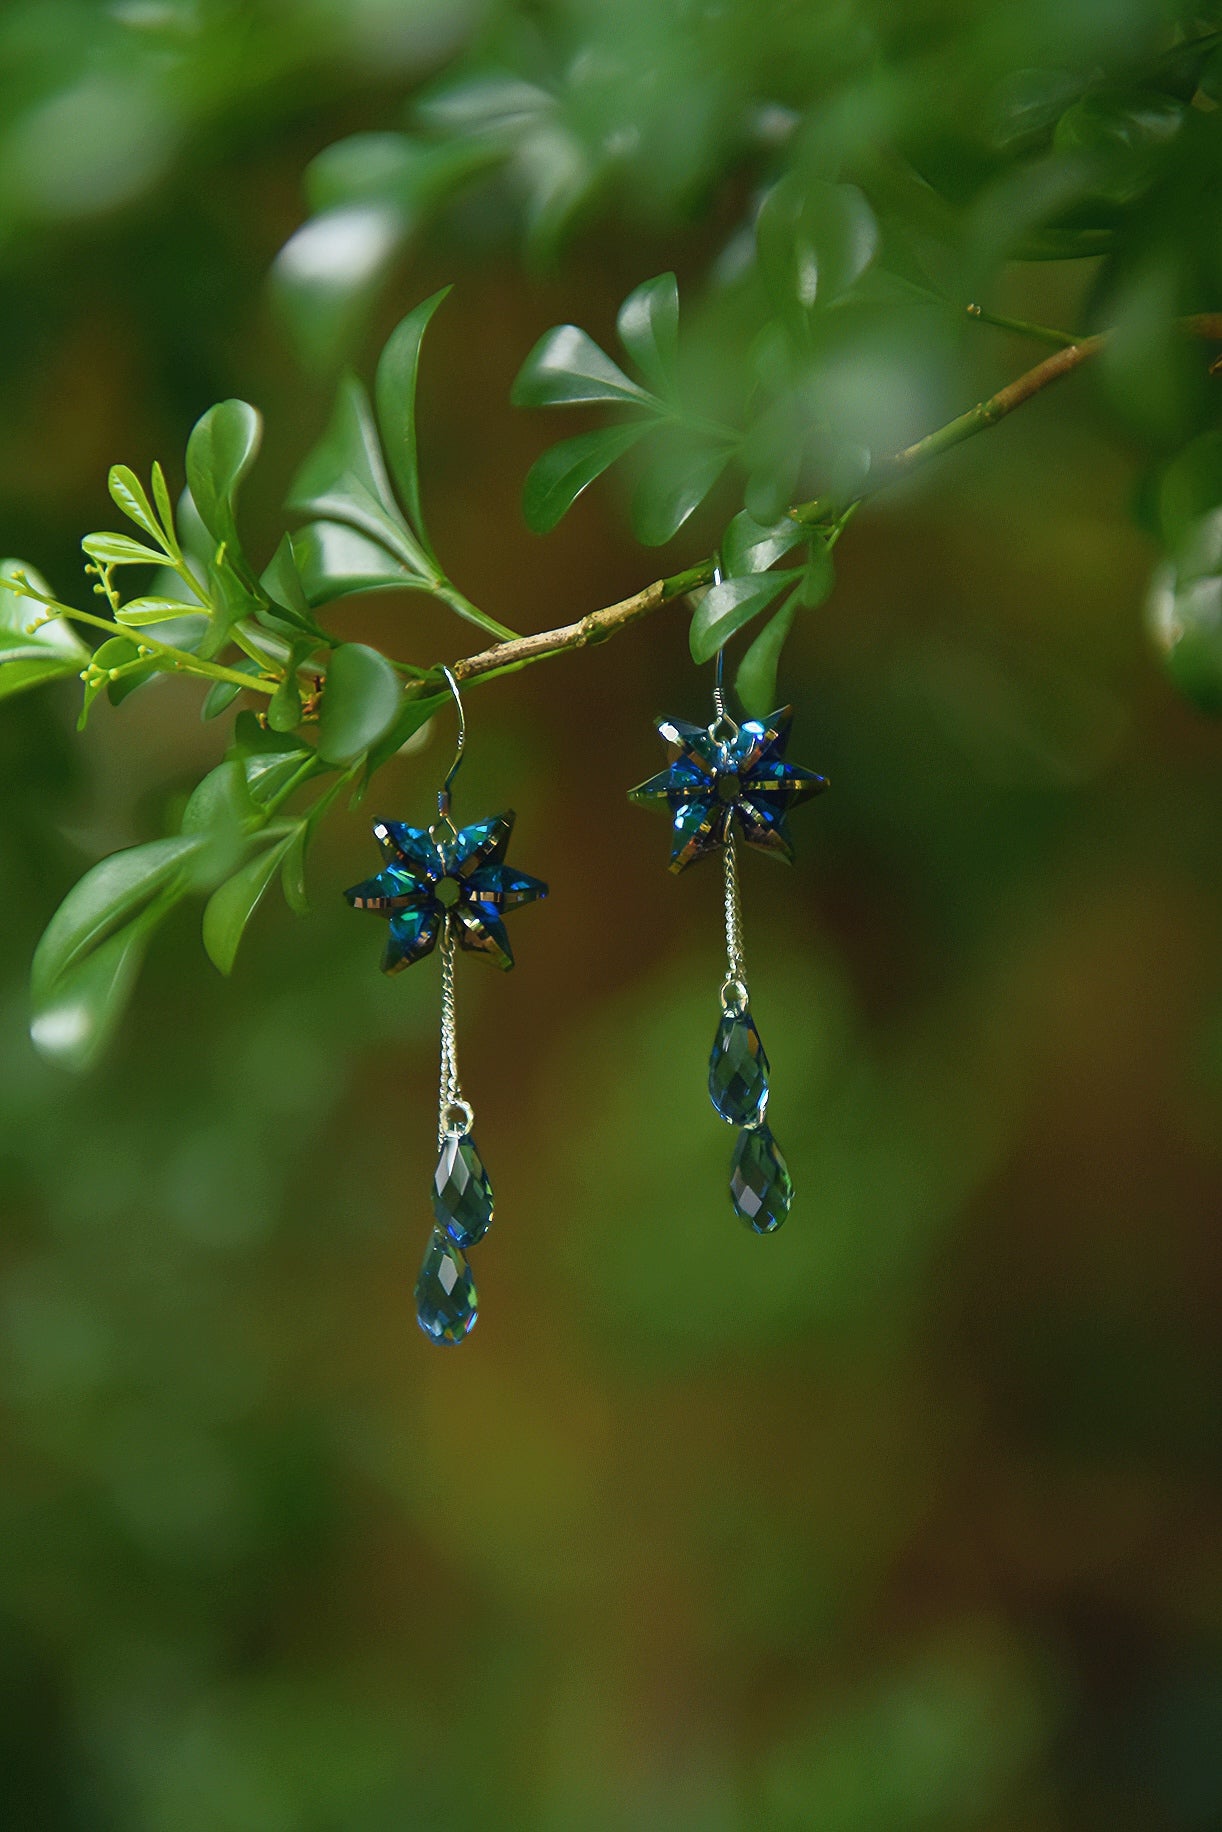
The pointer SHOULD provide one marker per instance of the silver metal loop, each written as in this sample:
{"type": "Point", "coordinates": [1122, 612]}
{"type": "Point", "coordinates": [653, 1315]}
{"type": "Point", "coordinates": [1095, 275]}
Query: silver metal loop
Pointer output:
{"type": "Point", "coordinates": [457, 1128]}
{"type": "Point", "coordinates": [734, 996]}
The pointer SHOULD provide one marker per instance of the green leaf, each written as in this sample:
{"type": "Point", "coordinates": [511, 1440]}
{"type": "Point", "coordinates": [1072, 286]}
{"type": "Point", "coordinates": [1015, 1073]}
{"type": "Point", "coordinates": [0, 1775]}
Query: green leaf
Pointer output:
{"type": "Point", "coordinates": [223, 446]}
{"type": "Point", "coordinates": [1184, 612]}
{"type": "Point", "coordinates": [284, 709]}
{"type": "Point", "coordinates": [292, 871]}
{"type": "Point", "coordinates": [749, 546]}
{"type": "Point", "coordinates": [233, 903]}
{"type": "Point", "coordinates": [329, 272]}
{"type": "Point", "coordinates": [109, 895]}
{"type": "Point", "coordinates": [557, 479]}
{"type": "Point", "coordinates": [222, 694]}
{"type": "Point", "coordinates": [1125, 139]}
{"type": "Point", "coordinates": [1189, 487]}
{"type": "Point", "coordinates": [672, 487]}
{"type": "Point", "coordinates": [138, 612]}
{"type": "Point", "coordinates": [220, 813]}
{"type": "Point", "coordinates": [165, 508]}
{"type": "Point", "coordinates": [334, 561]}
{"type": "Point", "coordinates": [814, 239]}
{"type": "Point", "coordinates": [395, 392]}
{"type": "Point", "coordinates": [755, 681]}
{"type": "Point", "coordinates": [819, 575]}
{"type": "Point", "coordinates": [725, 608]}
{"type": "Point", "coordinates": [416, 713]}
{"type": "Point", "coordinates": [28, 657]}
{"type": "Point", "coordinates": [344, 479]}
{"type": "Point", "coordinates": [74, 1016]}
{"type": "Point", "coordinates": [128, 494]}
{"type": "Point", "coordinates": [283, 585]}
{"type": "Point", "coordinates": [120, 550]}
{"type": "Point", "coordinates": [361, 701]}
{"type": "Point", "coordinates": [648, 326]}
{"type": "Point", "coordinates": [566, 368]}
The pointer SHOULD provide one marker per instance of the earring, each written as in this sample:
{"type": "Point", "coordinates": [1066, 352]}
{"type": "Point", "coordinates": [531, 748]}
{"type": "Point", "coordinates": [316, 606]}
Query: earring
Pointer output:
{"type": "Point", "coordinates": [724, 781]}
{"type": "Point", "coordinates": [448, 886]}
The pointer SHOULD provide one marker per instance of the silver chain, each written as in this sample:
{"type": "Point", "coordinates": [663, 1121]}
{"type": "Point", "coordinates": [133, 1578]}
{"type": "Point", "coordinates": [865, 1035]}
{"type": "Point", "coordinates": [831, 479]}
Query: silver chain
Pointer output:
{"type": "Point", "coordinates": [453, 1112]}
{"type": "Point", "coordinates": [734, 988]}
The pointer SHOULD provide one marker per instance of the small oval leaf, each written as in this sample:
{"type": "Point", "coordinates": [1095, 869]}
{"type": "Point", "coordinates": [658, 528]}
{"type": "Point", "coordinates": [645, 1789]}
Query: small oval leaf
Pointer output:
{"type": "Point", "coordinates": [567, 367]}
{"type": "Point", "coordinates": [360, 702]}
{"type": "Point", "coordinates": [395, 394]}
{"type": "Point", "coordinates": [223, 446]}
{"type": "Point", "coordinates": [648, 326]}
{"type": "Point", "coordinates": [557, 479]}
{"type": "Point", "coordinates": [232, 905]}
{"type": "Point", "coordinates": [109, 895]}
{"type": "Point", "coordinates": [755, 682]}
{"type": "Point", "coordinates": [725, 608]}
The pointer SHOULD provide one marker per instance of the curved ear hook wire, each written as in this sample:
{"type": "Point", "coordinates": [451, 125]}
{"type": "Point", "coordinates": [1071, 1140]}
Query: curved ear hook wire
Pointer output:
{"type": "Point", "coordinates": [444, 793]}
{"type": "Point", "coordinates": [723, 726]}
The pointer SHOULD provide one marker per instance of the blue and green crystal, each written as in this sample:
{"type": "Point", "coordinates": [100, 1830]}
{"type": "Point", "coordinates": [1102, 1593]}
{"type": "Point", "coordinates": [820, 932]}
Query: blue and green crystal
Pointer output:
{"type": "Point", "coordinates": [446, 1301]}
{"type": "Point", "coordinates": [738, 1070]}
{"type": "Point", "coordinates": [462, 1194]}
{"type": "Point", "coordinates": [761, 1188]}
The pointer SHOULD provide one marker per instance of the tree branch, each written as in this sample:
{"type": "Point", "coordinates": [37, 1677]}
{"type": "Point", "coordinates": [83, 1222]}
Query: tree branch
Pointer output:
{"type": "Point", "coordinates": [597, 626]}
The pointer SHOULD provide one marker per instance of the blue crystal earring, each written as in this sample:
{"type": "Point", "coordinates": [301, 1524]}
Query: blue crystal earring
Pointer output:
{"type": "Point", "coordinates": [726, 781]}
{"type": "Point", "coordinates": [448, 887]}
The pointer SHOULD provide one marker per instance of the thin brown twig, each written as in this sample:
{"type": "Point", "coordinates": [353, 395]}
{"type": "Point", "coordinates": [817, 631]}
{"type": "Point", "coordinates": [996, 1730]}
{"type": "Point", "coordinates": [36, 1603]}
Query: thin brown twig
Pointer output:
{"type": "Point", "coordinates": [597, 626]}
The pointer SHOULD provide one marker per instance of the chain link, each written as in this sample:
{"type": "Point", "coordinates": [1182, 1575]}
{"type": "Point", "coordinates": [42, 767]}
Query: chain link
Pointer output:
{"type": "Point", "coordinates": [734, 988]}
{"type": "Point", "coordinates": [453, 1112]}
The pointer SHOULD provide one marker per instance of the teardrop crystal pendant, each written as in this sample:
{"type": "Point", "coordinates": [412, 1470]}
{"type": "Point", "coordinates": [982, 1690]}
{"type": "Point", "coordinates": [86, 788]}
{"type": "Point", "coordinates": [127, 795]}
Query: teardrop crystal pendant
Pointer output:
{"type": "Point", "coordinates": [738, 1070]}
{"type": "Point", "coordinates": [446, 1301]}
{"type": "Point", "coordinates": [462, 1194]}
{"type": "Point", "coordinates": [761, 1188]}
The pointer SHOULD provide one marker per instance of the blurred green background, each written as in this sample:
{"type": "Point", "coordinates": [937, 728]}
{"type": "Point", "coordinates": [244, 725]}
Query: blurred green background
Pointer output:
{"type": "Point", "coordinates": [905, 1518]}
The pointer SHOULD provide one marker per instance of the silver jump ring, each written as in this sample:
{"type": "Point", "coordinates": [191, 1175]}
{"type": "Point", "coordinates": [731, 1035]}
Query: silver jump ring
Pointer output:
{"type": "Point", "coordinates": [457, 1127]}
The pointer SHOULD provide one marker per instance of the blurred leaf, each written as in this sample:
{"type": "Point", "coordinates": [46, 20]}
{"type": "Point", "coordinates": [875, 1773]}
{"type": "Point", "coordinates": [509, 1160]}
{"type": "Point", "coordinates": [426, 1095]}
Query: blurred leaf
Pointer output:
{"type": "Point", "coordinates": [725, 608]}
{"type": "Point", "coordinates": [1124, 138]}
{"type": "Point", "coordinates": [648, 326]}
{"type": "Point", "coordinates": [679, 475]}
{"type": "Point", "coordinates": [361, 701]}
{"type": "Point", "coordinates": [109, 895]}
{"type": "Point", "coordinates": [28, 657]}
{"type": "Point", "coordinates": [1189, 486]}
{"type": "Point", "coordinates": [566, 368]}
{"type": "Point", "coordinates": [292, 870]}
{"type": "Point", "coordinates": [233, 903]}
{"type": "Point", "coordinates": [328, 273]}
{"type": "Point", "coordinates": [748, 546]}
{"type": "Point", "coordinates": [223, 446]}
{"type": "Point", "coordinates": [558, 477]}
{"type": "Point", "coordinates": [395, 392]}
{"type": "Point", "coordinates": [819, 575]}
{"type": "Point", "coordinates": [755, 682]}
{"type": "Point", "coordinates": [128, 493]}
{"type": "Point", "coordinates": [1185, 614]}
{"type": "Point", "coordinates": [75, 1013]}
{"type": "Point", "coordinates": [814, 240]}
{"type": "Point", "coordinates": [344, 479]}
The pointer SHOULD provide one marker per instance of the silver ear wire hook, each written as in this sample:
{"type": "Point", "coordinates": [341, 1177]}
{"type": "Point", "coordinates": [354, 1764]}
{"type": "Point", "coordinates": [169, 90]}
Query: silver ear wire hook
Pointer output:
{"type": "Point", "coordinates": [443, 794]}
{"type": "Point", "coordinates": [723, 728]}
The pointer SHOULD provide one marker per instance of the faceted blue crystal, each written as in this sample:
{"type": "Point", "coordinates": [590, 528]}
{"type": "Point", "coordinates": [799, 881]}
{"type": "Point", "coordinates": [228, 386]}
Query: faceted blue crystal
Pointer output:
{"type": "Point", "coordinates": [738, 1070]}
{"type": "Point", "coordinates": [761, 1188]}
{"type": "Point", "coordinates": [462, 1194]}
{"type": "Point", "coordinates": [445, 1291]}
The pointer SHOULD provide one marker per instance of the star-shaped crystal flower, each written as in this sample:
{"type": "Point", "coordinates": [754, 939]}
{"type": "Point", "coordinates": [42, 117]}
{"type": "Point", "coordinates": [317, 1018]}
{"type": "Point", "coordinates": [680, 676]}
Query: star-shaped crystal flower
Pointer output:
{"type": "Point", "coordinates": [722, 773]}
{"type": "Point", "coordinates": [427, 875]}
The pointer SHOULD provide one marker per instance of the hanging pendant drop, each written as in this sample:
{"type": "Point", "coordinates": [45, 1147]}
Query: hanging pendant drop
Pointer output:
{"type": "Point", "coordinates": [446, 1301]}
{"type": "Point", "coordinates": [761, 1188]}
{"type": "Point", "coordinates": [462, 1194]}
{"type": "Point", "coordinates": [738, 1070]}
